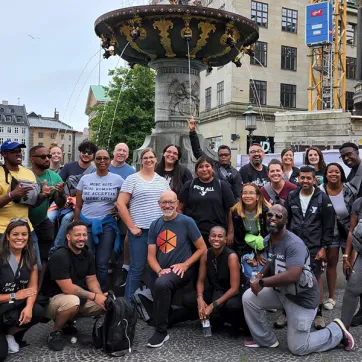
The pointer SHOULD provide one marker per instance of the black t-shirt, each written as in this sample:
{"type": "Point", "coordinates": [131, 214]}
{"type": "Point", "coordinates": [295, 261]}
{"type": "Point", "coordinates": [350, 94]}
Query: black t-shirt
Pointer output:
{"type": "Point", "coordinates": [186, 176]}
{"type": "Point", "coordinates": [64, 264]}
{"type": "Point", "coordinates": [8, 282]}
{"type": "Point", "coordinates": [250, 175]}
{"type": "Point", "coordinates": [207, 203]}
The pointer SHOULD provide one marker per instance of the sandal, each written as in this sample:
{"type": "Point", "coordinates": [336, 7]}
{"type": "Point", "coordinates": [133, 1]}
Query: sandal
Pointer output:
{"type": "Point", "coordinates": [329, 304]}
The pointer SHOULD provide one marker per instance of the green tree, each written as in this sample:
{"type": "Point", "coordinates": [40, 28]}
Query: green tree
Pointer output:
{"type": "Point", "coordinates": [129, 115]}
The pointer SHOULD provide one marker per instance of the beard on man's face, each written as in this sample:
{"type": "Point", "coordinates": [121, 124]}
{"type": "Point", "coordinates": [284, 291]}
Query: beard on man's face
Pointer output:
{"type": "Point", "coordinates": [275, 229]}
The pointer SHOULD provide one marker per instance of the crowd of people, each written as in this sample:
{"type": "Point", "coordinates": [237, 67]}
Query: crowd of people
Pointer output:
{"type": "Point", "coordinates": [236, 242]}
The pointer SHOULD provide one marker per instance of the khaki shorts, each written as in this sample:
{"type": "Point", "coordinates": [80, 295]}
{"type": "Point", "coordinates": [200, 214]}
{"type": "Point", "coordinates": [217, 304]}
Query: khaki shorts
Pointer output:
{"type": "Point", "coordinates": [61, 302]}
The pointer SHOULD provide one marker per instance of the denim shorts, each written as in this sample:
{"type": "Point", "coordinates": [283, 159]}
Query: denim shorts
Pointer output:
{"type": "Point", "coordinates": [338, 242]}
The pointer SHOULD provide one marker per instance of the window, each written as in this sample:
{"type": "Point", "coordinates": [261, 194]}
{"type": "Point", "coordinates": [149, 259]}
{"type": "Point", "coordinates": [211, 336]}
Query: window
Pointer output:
{"type": "Point", "coordinates": [261, 54]}
{"type": "Point", "coordinates": [1, 129]}
{"type": "Point", "coordinates": [9, 129]}
{"type": "Point", "coordinates": [16, 130]}
{"type": "Point", "coordinates": [259, 13]}
{"type": "Point", "coordinates": [62, 137]}
{"type": "Point", "coordinates": [70, 137]}
{"type": "Point", "coordinates": [289, 20]}
{"type": "Point", "coordinates": [349, 101]}
{"type": "Point", "coordinates": [215, 142]}
{"type": "Point", "coordinates": [208, 98]}
{"type": "Point", "coordinates": [62, 147]}
{"type": "Point", "coordinates": [1, 140]}
{"type": "Point", "coordinates": [40, 135]}
{"type": "Point", "coordinates": [351, 64]}
{"type": "Point", "coordinates": [23, 130]}
{"type": "Point", "coordinates": [69, 148]}
{"type": "Point", "coordinates": [288, 95]}
{"type": "Point", "coordinates": [16, 139]}
{"type": "Point", "coordinates": [69, 157]}
{"type": "Point", "coordinates": [289, 58]}
{"type": "Point", "coordinates": [351, 31]}
{"type": "Point", "coordinates": [8, 118]}
{"type": "Point", "coordinates": [257, 92]}
{"type": "Point", "coordinates": [23, 140]}
{"type": "Point", "coordinates": [19, 119]}
{"type": "Point", "coordinates": [40, 144]}
{"type": "Point", "coordinates": [220, 93]}
{"type": "Point", "coordinates": [53, 135]}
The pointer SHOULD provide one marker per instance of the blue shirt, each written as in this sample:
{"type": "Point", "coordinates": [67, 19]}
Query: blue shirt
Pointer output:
{"type": "Point", "coordinates": [123, 171]}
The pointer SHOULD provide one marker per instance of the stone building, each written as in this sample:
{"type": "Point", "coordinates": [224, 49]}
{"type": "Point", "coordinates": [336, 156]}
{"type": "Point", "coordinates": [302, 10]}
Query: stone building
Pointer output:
{"type": "Point", "coordinates": [14, 126]}
{"type": "Point", "coordinates": [281, 83]}
{"type": "Point", "coordinates": [47, 131]}
{"type": "Point", "coordinates": [79, 138]}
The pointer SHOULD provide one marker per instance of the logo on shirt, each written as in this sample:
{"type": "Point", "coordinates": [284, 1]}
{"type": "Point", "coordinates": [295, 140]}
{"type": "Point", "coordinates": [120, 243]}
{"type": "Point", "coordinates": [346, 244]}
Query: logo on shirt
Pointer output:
{"type": "Point", "coordinates": [314, 209]}
{"type": "Point", "coordinates": [166, 241]}
{"type": "Point", "coordinates": [203, 190]}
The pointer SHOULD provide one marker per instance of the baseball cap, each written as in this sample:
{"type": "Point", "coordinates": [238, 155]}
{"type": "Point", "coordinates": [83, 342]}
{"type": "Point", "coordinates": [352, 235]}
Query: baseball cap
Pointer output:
{"type": "Point", "coordinates": [11, 145]}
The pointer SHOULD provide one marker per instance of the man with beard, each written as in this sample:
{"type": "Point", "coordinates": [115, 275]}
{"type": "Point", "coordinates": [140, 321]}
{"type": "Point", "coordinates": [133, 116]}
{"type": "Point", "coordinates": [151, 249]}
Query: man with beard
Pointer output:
{"type": "Point", "coordinates": [170, 243]}
{"type": "Point", "coordinates": [255, 172]}
{"type": "Point", "coordinates": [286, 282]}
{"type": "Point", "coordinates": [44, 228]}
{"type": "Point", "coordinates": [71, 283]}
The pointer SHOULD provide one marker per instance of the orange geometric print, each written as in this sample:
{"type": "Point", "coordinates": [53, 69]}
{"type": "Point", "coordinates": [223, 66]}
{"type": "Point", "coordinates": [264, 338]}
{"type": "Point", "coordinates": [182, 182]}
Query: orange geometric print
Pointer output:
{"type": "Point", "coordinates": [166, 241]}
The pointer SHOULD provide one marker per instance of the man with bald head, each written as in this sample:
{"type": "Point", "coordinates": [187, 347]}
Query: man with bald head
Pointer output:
{"type": "Point", "coordinates": [170, 243]}
{"type": "Point", "coordinates": [287, 282]}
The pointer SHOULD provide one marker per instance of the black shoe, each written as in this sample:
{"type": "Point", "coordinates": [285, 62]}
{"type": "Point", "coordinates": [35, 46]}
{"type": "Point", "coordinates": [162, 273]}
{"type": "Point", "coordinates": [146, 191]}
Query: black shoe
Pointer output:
{"type": "Point", "coordinates": [69, 329]}
{"type": "Point", "coordinates": [121, 280]}
{"type": "Point", "coordinates": [357, 319]}
{"type": "Point", "coordinates": [55, 342]}
{"type": "Point", "coordinates": [158, 339]}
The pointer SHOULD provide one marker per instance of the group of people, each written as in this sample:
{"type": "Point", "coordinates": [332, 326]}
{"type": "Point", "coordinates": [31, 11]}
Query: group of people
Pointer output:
{"type": "Point", "coordinates": [247, 241]}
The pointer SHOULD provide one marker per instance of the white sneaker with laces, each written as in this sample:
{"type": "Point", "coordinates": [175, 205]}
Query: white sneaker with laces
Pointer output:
{"type": "Point", "coordinates": [13, 347]}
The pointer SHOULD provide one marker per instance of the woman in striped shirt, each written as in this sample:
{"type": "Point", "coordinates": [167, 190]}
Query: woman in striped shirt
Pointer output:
{"type": "Point", "coordinates": [140, 192]}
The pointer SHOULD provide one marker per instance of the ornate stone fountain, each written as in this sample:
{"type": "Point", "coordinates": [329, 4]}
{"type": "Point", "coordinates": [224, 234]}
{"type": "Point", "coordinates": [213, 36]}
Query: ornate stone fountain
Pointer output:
{"type": "Point", "coordinates": [178, 42]}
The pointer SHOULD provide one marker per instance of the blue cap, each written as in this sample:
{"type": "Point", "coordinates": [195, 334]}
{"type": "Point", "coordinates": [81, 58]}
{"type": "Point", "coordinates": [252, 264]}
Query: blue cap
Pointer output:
{"type": "Point", "coordinates": [11, 145]}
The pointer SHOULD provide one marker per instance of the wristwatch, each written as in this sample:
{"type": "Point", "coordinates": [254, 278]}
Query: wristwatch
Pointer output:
{"type": "Point", "coordinates": [261, 283]}
{"type": "Point", "coordinates": [214, 304]}
{"type": "Point", "coordinates": [12, 298]}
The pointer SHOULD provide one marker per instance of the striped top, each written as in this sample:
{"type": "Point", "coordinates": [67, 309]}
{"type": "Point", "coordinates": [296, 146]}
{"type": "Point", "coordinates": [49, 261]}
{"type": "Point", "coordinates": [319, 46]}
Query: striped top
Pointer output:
{"type": "Point", "coordinates": [143, 205]}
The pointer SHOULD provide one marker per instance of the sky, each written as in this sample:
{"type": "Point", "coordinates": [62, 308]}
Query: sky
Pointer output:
{"type": "Point", "coordinates": [42, 73]}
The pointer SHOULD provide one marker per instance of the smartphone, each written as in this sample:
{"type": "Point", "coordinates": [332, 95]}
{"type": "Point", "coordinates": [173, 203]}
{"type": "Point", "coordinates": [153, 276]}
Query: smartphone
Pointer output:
{"type": "Point", "coordinates": [348, 273]}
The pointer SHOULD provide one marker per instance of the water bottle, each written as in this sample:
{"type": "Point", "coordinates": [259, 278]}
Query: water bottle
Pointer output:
{"type": "Point", "coordinates": [206, 328]}
{"type": "Point", "coordinates": [254, 276]}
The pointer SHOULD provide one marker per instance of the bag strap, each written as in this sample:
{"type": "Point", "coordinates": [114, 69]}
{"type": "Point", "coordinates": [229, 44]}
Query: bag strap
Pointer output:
{"type": "Point", "coordinates": [7, 173]}
{"type": "Point", "coordinates": [272, 194]}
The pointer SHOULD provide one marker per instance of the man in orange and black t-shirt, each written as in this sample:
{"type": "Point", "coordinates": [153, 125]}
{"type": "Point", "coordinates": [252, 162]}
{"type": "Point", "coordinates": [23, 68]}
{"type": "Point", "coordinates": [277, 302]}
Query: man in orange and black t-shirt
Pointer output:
{"type": "Point", "coordinates": [170, 256]}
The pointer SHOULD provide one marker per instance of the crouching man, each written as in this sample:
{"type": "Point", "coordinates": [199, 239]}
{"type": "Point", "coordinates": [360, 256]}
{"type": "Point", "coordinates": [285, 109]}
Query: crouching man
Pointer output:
{"type": "Point", "coordinates": [70, 282]}
{"type": "Point", "coordinates": [170, 243]}
{"type": "Point", "coordinates": [286, 282]}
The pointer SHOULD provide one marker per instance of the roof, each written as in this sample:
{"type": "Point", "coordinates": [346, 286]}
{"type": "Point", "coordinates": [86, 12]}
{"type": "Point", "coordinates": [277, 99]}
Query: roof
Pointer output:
{"type": "Point", "coordinates": [99, 93]}
{"type": "Point", "coordinates": [13, 111]}
{"type": "Point", "coordinates": [51, 124]}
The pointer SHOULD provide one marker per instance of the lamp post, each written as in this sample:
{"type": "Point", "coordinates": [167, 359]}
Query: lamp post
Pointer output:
{"type": "Point", "coordinates": [250, 123]}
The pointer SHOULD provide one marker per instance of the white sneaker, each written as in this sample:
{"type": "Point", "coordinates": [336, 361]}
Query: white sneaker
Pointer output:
{"type": "Point", "coordinates": [13, 347]}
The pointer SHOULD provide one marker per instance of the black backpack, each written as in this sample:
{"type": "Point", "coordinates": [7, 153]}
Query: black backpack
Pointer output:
{"type": "Point", "coordinates": [115, 330]}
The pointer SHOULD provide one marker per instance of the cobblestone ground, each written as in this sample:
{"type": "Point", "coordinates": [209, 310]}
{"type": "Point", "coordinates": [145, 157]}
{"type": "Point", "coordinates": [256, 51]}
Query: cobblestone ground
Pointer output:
{"type": "Point", "coordinates": [186, 344]}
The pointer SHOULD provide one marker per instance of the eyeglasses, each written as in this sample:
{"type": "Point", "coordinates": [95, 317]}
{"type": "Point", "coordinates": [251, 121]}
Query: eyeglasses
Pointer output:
{"type": "Point", "coordinates": [272, 214]}
{"type": "Point", "coordinates": [172, 153]}
{"type": "Point", "coordinates": [253, 152]}
{"type": "Point", "coordinates": [102, 159]}
{"type": "Point", "coordinates": [148, 158]}
{"type": "Point", "coordinates": [224, 155]}
{"type": "Point", "coordinates": [163, 203]}
{"type": "Point", "coordinates": [247, 193]}
{"type": "Point", "coordinates": [43, 157]}
{"type": "Point", "coordinates": [87, 152]}
{"type": "Point", "coordinates": [18, 219]}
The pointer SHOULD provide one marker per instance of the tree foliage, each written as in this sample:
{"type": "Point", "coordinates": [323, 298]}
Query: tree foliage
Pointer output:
{"type": "Point", "coordinates": [133, 117]}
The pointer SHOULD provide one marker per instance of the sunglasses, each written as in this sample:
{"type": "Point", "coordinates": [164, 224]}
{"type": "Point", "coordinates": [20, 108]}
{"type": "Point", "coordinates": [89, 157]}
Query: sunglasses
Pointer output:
{"type": "Point", "coordinates": [18, 219]}
{"type": "Point", "coordinates": [272, 214]}
{"type": "Point", "coordinates": [43, 157]}
{"type": "Point", "coordinates": [87, 152]}
{"type": "Point", "coordinates": [102, 159]}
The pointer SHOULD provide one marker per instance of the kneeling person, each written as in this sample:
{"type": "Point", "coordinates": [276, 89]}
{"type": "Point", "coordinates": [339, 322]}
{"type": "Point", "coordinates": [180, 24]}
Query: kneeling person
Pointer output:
{"type": "Point", "coordinates": [70, 282]}
{"type": "Point", "coordinates": [170, 256]}
{"type": "Point", "coordinates": [287, 283]}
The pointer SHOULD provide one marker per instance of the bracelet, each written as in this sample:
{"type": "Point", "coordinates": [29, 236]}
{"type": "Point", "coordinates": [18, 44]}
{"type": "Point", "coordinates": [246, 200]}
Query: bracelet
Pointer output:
{"type": "Point", "coordinates": [10, 196]}
{"type": "Point", "coordinates": [345, 256]}
{"type": "Point", "coordinates": [95, 294]}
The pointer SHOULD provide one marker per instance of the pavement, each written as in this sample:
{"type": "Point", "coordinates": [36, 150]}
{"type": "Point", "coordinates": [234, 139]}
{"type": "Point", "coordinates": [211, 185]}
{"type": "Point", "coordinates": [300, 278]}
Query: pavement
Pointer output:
{"type": "Point", "coordinates": [186, 343]}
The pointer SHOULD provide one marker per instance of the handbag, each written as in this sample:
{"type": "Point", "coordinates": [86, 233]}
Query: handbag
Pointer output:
{"type": "Point", "coordinates": [255, 241]}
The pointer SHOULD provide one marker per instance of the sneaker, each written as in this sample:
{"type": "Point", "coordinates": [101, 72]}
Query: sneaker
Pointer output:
{"type": "Point", "coordinates": [13, 347]}
{"type": "Point", "coordinates": [252, 344]}
{"type": "Point", "coordinates": [69, 329]}
{"type": "Point", "coordinates": [281, 322]}
{"type": "Point", "coordinates": [121, 280]}
{"type": "Point", "coordinates": [357, 319]}
{"type": "Point", "coordinates": [158, 339]}
{"type": "Point", "coordinates": [55, 342]}
{"type": "Point", "coordinates": [319, 322]}
{"type": "Point", "coordinates": [272, 310]}
{"type": "Point", "coordinates": [329, 304]}
{"type": "Point", "coordinates": [347, 339]}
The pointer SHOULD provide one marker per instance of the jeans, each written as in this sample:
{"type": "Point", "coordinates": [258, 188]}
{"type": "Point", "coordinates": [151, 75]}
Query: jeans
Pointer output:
{"type": "Point", "coordinates": [138, 255]}
{"type": "Point", "coordinates": [352, 292]}
{"type": "Point", "coordinates": [62, 231]}
{"type": "Point", "coordinates": [300, 340]}
{"type": "Point", "coordinates": [102, 252]}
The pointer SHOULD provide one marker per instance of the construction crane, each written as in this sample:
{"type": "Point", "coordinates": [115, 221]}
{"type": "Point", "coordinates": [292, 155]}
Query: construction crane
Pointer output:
{"type": "Point", "coordinates": [327, 64]}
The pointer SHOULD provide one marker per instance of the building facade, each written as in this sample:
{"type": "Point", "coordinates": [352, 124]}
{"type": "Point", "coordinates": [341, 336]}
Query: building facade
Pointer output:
{"type": "Point", "coordinates": [48, 131]}
{"type": "Point", "coordinates": [14, 126]}
{"type": "Point", "coordinates": [79, 138]}
{"type": "Point", "coordinates": [276, 80]}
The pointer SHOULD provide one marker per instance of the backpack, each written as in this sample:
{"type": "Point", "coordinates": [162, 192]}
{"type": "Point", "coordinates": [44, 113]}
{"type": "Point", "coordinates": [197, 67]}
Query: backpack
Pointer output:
{"type": "Point", "coordinates": [274, 197]}
{"type": "Point", "coordinates": [70, 186]}
{"type": "Point", "coordinates": [144, 303]}
{"type": "Point", "coordinates": [115, 330]}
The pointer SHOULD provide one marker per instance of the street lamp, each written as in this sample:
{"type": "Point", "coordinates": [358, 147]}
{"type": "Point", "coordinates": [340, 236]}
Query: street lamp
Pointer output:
{"type": "Point", "coordinates": [250, 122]}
